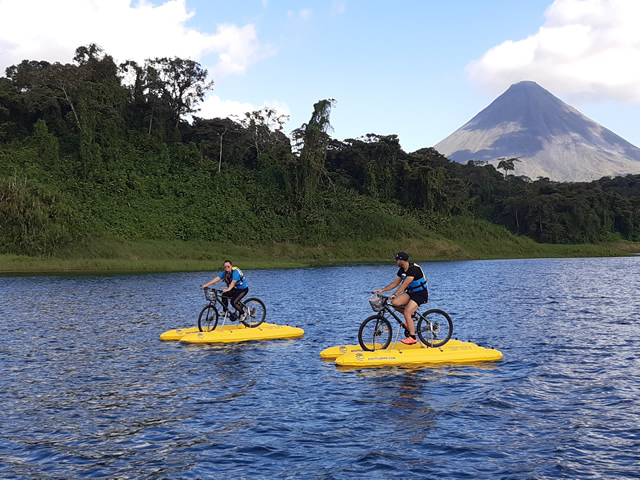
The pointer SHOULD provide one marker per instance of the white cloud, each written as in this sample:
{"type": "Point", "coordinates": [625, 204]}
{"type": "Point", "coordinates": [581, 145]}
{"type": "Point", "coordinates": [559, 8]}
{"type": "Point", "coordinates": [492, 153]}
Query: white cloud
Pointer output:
{"type": "Point", "coordinates": [127, 30]}
{"type": "Point", "coordinates": [237, 48]}
{"type": "Point", "coordinates": [215, 107]}
{"type": "Point", "coordinates": [304, 14]}
{"type": "Point", "coordinates": [338, 7]}
{"type": "Point", "coordinates": [587, 49]}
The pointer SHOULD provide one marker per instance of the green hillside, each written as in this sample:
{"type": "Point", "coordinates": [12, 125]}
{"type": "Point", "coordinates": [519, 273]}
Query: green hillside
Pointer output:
{"type": "Point", "coordinates": [101, 174]}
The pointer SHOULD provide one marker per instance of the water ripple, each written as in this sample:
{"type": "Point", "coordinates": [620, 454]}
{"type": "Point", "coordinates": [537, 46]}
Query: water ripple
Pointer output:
{"type": "Point", "coordinates": [89, 391]}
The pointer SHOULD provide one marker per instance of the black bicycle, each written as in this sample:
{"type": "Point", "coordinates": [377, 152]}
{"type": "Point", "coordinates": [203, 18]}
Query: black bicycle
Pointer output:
{"type": "Point", "coordinates": [433, 327]}
{"type": "Point", "coordinates": [253, 312]}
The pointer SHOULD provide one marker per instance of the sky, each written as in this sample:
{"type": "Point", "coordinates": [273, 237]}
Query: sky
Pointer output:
{"type": "Point", "coordinates": [418, 69]}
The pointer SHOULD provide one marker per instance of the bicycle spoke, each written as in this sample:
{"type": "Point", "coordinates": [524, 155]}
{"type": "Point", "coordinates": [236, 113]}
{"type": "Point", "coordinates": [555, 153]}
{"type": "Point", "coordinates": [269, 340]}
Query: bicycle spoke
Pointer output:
{"type": "Point", "coordinates": [254, 312]}
{"type": "Point", "coordinates": [375, 333]}
{"type": "Point", "coordinates": [208, 319]}
{"type": "Point", "coordinates": [434, 328]}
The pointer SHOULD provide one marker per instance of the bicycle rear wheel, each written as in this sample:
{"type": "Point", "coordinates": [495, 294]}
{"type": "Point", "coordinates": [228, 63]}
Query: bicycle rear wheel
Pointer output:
{"type": "Point", "coordinates": [375, 333]}
{"type": "Point", "coordinates": [434, 328]}
{"type": "Point", "coordinates": [208, 319]}
{"type": "Point", "coordinates": [254, 312]}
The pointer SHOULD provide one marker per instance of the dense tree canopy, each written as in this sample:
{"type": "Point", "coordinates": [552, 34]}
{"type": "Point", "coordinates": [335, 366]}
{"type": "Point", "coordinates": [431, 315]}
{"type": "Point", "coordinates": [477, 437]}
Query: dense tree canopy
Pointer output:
{"type": "Point", "coordinates": [91, 148]}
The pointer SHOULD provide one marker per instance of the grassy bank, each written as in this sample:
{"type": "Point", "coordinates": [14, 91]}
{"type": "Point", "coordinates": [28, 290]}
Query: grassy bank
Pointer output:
{"type": "Point", "coordinates": [107, 255]}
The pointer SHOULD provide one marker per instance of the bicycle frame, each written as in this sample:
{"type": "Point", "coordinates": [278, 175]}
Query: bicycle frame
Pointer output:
{"type": "Point", "coordinates": [217, 293]}
{"type": "Point", "coordinates": [252, 315]}
{"type": "Point", "coordinates": [391, 309]}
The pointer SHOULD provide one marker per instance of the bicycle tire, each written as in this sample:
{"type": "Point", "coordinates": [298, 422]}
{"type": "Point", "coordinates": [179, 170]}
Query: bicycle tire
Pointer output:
{"type": "Point", "coordinates": [208, 318]}
{"type": "Point", "coordinates": [374, 333]}
{"type": "Point", "coordinates": [434, 328]}
{"type": "Point", "coordinates": [255, 311]}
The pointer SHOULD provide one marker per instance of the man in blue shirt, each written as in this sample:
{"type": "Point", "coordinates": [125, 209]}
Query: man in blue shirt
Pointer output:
{"type": "Point", "coordinates": [236, 289]}
{"type": "Point", "coordinates": [411, 293]}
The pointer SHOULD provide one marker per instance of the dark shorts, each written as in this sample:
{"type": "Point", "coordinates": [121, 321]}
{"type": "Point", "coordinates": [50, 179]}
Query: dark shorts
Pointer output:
{"type": "Point", "coordinates": [420, 296]}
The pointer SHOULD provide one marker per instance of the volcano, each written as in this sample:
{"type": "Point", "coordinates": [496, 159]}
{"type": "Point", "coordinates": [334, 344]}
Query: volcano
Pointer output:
{"type": "Point", "coordinates": [550, 138]}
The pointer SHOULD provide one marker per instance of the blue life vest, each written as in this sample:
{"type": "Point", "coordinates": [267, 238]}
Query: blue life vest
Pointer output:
{"type": "Point", "coordinates": [417, 284]}
{"type": "Point", "coordinates": [237, 275]}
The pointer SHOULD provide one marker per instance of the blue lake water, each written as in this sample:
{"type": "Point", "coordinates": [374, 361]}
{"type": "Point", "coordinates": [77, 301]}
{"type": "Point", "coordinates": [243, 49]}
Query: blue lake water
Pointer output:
{"type": "Point", "coordinates": [88, 390]}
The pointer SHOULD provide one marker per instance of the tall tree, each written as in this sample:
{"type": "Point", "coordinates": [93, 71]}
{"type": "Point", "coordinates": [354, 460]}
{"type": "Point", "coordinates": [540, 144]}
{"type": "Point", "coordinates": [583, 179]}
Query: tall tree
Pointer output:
{"type": "Point", "coordinates": [507, 164]}
{"type": "Point", "coordinates": [45, 80]}
{"type": "Point", "coordinates": [265, 126]}
{"type": "Point", "coordinates": [182, 83]}
{"type": "Point", "coordinates": [312, 140]}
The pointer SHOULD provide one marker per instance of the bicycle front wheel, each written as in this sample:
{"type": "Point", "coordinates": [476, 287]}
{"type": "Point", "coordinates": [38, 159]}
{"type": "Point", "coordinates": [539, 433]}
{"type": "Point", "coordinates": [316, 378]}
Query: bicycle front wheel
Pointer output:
{"type": "Point", "coordinates": [375, 333]}
{"type": "Point", "coordinates": [254, 312]}
{"type": "Point", "coordinates": [208, 319]}
{"type": "Point", "coordinates": [434, 328]}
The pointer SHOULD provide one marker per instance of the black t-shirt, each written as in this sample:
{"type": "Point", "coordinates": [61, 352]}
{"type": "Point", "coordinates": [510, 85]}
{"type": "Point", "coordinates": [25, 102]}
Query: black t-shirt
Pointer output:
{"type": "Point", "coordinates": [413, 271]}
{"type": "Point", "coordinates": [418, 282]}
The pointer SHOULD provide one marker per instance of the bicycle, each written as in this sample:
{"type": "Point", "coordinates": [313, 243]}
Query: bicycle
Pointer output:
{"type": "Point", "coordinates": [433, 327]}
{"type": "Point", "coordinates": [254, 311]}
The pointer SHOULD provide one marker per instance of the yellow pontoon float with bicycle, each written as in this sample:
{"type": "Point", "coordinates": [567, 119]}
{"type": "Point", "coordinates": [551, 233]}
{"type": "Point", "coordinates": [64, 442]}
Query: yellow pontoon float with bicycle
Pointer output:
{"type": "Point", "coordinates": [433, 327]}
{"type": "Point", "coordinates": [250, 324]}
{"type": "Point", "coordinates": [241, 333]}
{"type": "Point", "coordinates": [454, 351]}
{"type": "Point", "coordinates": [233, 333]}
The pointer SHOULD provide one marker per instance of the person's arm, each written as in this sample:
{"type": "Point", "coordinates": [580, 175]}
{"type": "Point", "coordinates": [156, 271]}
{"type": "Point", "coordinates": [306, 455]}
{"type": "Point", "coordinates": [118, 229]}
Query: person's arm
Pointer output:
{"type": "Point", "coordinates": [391, 286]}
{"type": "Point", "coordinates": [230, 287]}
{"type": "Point", "coordinates": [404, 286]}
{"type": "Point", "coordinates": [210, 283]}
{"type": "Point", "coordinates": [235, 276]}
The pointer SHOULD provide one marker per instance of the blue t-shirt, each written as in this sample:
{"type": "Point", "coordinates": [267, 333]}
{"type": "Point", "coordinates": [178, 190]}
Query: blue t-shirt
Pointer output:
{"type": "Point", "coordinates": [237, 275]}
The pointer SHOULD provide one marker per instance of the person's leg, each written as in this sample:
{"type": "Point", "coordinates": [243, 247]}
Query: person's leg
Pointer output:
{"type": "Point", "coordinates": [409, 310]}
{"type": "Point", "coordinates": [224, 298]}
{"type": "Point", "coordinates": [415, 300]}
{"type": "Point", "coordinates": [404, 301]}
{"type": "Point", "coordinates": [237, 296]}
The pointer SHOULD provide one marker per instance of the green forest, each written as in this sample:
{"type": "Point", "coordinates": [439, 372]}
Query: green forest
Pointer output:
{"type": "Point", "coordinates": [92, 149]}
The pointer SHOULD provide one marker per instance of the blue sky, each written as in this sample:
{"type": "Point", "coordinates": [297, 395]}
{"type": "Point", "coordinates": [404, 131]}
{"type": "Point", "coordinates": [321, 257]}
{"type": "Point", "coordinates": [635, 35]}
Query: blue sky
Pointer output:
{"type": "Point", "coordinates": [419, 69]}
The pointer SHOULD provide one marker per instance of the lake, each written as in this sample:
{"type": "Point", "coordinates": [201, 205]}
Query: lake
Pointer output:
{"type": "Point", "coordinates": [88, 390]}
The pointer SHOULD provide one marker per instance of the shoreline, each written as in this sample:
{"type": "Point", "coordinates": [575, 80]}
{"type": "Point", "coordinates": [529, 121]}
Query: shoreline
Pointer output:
{"type": "Point", "coordinates": [174, 257]}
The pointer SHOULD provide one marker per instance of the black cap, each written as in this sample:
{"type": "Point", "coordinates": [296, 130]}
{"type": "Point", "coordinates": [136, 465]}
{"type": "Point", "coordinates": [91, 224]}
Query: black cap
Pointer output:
{"type": "Point", "coordinates": [402, 256]}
